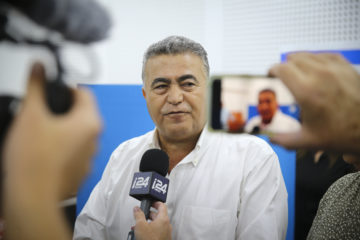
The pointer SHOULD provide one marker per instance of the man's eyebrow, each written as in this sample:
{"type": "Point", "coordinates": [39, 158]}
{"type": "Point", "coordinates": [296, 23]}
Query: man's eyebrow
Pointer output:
{"type": "Point", "coordinates": [160, 80]}
{"type": "Point", "coordinates": [187, 76]}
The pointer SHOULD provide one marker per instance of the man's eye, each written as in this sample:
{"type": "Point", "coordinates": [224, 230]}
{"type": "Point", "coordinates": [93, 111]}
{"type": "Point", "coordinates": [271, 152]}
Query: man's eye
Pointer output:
{"type": "Point", "coordinates": [162, 86]}
{"type": "Point", "coordinates": [188, 84]}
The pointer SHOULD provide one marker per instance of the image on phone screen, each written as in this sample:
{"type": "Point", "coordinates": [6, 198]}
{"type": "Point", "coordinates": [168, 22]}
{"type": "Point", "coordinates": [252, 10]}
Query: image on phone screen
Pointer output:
{"type": "Point", "coordinates": [252, 104]}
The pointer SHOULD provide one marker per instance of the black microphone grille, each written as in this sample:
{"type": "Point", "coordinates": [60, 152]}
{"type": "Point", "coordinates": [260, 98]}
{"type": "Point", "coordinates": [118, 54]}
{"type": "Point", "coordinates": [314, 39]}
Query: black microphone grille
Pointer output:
{"type": "Point", "coordinates": [83, 21]}
{"type": "Point", "coordinates": [155, 160]}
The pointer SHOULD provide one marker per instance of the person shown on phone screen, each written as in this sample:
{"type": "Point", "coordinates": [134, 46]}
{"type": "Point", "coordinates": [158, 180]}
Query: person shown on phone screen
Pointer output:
{"type": "Point", "coordinates": [270, 117]}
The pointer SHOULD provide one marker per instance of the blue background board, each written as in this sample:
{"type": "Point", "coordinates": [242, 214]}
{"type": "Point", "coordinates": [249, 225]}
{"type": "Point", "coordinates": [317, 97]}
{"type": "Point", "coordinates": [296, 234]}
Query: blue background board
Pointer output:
{"type": "Point", "coordinates": [287, 161]}
{"type": "Point", "coordinates": [125, 116]}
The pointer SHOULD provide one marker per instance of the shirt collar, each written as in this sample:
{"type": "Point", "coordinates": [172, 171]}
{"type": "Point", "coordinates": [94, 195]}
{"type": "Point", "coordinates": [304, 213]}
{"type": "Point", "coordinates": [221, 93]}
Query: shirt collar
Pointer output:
{"type": "Point", "coordinates": [154, 143]}
{"type": "Point", "coordinates": [193, 156]}
{"type": "Point", "coordinates": [200, 142]}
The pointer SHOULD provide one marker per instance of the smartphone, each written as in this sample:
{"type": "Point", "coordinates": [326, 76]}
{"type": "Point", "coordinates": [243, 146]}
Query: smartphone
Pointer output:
{"type": "Point", "coordinates": [251, 104]}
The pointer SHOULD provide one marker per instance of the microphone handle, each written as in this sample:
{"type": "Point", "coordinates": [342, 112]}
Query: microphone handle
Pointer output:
{"type": "Point", "coordinates": [59, 97]}
{"type": "Point", "coordinates": [7, 105]}
{"type": "Point", "coordinates": [145, 207]}
{"type": "Point", "coordinates": [131, 235]}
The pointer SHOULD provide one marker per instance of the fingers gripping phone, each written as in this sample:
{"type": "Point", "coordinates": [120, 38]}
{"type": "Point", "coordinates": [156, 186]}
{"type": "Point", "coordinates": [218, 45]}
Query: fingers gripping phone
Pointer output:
{"type": "Point", "coordinates": [251, 104]}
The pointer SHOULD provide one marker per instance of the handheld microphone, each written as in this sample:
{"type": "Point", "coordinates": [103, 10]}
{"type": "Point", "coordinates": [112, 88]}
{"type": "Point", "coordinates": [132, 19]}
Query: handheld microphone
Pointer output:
{"type": "Point", "coordinates": [255, 130]}
{"type": "Point", "coordinates": [150, 184]}
{"type": "Point", "coordinates": [82, 21]}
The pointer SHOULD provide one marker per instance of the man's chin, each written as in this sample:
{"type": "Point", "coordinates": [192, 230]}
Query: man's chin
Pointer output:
{"type": "Point", "coordinates": [266, 120]}
{"type": "Point", "coordinates": [178, 133]}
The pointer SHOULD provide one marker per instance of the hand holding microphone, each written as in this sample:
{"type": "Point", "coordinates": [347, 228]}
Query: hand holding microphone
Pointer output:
{"type": "Point", "coordinates": [148, 186]}
{"type": "Point", "coordinates": [158, 228]}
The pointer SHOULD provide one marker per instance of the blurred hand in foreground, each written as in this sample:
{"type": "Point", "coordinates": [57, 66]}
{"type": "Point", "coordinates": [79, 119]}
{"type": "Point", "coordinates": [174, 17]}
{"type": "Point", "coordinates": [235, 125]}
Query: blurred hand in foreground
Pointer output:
{"type": "Point", "coordinates": [327, 88]}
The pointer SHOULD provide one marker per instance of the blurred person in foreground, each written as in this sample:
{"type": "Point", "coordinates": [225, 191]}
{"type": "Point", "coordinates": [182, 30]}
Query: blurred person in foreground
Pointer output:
{"type": "Point", "coordinates": [316, 171]}
{"type": "Point", "coordinates": [45, 158]}
{"type": "Point", "coordinates": [222, 186]}
{"type": "Point", "coordinates": [327, 89]}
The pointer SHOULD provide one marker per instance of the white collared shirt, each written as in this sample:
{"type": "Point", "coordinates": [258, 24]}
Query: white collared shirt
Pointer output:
{"type": "Point", "coordinates": [228, 187]}
{"type": "Point", "coordinates": [280, 123]}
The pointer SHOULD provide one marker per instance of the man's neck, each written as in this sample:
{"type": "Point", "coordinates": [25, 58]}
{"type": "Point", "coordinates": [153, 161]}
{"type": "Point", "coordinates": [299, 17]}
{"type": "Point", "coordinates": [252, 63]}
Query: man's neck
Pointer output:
{"type": "Point", "coordinates": [177, 150]}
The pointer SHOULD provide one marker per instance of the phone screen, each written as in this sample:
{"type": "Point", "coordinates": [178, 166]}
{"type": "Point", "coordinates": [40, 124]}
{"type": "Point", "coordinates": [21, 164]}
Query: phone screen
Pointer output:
{"type": "Point", "coordinates": [252, 104]}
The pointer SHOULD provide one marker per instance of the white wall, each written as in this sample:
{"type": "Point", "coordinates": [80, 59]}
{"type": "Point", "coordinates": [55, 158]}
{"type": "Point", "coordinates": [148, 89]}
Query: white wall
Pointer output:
{"type": "Point", "coordinates": [256, 32]}
{"type": "Point", "coordinates": [240, 36]}
{"type": "Point", "coordinates": [139, 23]}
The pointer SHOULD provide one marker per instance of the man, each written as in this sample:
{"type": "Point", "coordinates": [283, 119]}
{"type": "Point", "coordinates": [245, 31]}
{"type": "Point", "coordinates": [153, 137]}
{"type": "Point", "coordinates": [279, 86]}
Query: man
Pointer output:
{"type": "Point", "coordinates": [221, 186]}
{"type": "Point", "coordinates": [45, 157]}
{"type": "Point", "coordinates": [271, 118]}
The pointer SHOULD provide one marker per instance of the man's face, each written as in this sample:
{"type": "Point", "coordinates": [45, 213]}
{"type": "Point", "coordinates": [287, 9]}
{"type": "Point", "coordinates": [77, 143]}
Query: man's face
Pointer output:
{"type": "Point", "coordinates": [175, 93]}
{"type": "Point", "coordinates": [267, 106]}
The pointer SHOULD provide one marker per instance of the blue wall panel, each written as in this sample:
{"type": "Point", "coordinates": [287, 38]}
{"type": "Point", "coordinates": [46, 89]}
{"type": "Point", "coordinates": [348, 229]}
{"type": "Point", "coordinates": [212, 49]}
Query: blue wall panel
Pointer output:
{"type": "Point", "coordinates": [287, 161]}
{"type": "Point", "coordinates": [124, 113]}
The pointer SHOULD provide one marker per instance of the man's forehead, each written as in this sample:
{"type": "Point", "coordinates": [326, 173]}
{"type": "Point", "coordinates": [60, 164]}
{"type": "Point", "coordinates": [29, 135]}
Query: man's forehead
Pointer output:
{"type": "Point", "coordinates": [266, 94]}
{"type": "Point", "coordinates": [170, 65]}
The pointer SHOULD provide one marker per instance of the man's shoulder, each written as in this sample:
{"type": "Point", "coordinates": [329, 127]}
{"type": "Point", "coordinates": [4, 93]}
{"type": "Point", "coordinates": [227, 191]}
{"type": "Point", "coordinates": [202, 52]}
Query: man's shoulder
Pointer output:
{"type": "Point", "coordinates": [130, 149]}
{"type": "Point", "coordinates": [256, 143]}
{"type": "Point", "coordinates": [339, 210]}
{"type": "Point", "coordinates": [243, 141]}
{"type": "Point", "coordinates": [344, 184]}
{"type": "Point", "coordinates": [252, 122]}
{"type": "Point", "coordinates": [248, 151]}
{"type": "Point", "coordinates": [254, 119]}
{"type": "Point", "coordinates": [135, 142]}
{"type": "Point", "coordinates": [126, 156]}
{"type": "Point", "coordinates": [345, 188]}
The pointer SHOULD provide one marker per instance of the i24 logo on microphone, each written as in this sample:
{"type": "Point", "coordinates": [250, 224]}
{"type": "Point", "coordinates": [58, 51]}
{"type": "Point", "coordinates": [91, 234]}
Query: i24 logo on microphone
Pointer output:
{"type": "Point", "coordinates": [140, 182]}
{"type": "Point", "coordinates": [150, 184]}
{"type": "Point", "coordinates": [159, 186]}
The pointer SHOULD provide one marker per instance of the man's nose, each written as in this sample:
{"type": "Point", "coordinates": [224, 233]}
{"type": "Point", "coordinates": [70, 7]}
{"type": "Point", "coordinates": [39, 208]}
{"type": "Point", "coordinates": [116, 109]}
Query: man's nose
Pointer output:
{"type": "Point", "coordinates": [175, 95]}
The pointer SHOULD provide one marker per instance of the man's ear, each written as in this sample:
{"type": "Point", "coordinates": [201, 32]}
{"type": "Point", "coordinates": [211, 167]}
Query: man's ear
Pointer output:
{"type": "Point", "coordinates": [143, 92]}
